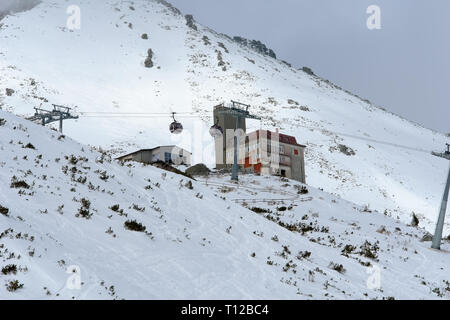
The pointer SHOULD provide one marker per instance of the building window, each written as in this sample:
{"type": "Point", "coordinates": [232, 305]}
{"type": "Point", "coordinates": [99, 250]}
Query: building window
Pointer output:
{"type": "Point", "coordinates": [296, 152]}
{"type": "Point", "coordinates": [167, 157]}
{"type": "Point", "coordinates": [281, 149]}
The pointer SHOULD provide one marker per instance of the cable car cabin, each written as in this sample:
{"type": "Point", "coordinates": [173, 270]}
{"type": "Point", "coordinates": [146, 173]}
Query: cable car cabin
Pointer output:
{"type": "Point", "coordinates": [176, 127]}
{"type": "Point", "coordinates": [216, 131]}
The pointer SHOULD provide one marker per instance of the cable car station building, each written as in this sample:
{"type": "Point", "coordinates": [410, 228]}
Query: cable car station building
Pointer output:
{"type": "Point", "coordinates": [273, 153]}
{"type": "Point", "coordinates": [261, 152]}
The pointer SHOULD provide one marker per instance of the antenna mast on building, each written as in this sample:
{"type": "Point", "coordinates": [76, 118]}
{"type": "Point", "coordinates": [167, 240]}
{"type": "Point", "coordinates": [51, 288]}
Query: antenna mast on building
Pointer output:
{"type": "Point", "coordinates": [239, 111]}
{"type": "Point", "coordinates": [437, 238]}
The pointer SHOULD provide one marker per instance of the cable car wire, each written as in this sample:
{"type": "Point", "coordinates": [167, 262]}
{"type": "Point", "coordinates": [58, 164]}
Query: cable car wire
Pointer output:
{"type": "Point", "coordinates": [217, 129]}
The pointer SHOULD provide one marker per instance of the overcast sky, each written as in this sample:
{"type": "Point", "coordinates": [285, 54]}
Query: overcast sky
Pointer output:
{"type": "Point", "coordinates": [403, 67]}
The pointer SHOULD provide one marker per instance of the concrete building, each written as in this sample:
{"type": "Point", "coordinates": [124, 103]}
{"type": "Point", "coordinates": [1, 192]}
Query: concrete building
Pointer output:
{"type": "Point", "coordinates": [226, 122]}
{"type": "Point", "coordinates": [273, 153]}
{"type": "Point", "coordinates": [167, 154]}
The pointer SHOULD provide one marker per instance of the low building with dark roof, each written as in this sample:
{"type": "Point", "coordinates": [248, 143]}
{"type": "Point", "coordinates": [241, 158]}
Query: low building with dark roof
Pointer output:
{"type": "Point", "coordinates": [166, 154]}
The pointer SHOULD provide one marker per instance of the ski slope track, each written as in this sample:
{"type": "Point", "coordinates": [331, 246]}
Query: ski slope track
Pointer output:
{"type": "Point", "coordinates": [65, 207]}
{"type": "Point", "coordinates": [198, 242]}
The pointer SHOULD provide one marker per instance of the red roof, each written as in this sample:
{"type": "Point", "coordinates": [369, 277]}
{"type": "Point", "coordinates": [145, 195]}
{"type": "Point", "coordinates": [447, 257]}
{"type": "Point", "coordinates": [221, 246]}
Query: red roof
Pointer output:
{"type": "Point", "coordinates": [284, 138]}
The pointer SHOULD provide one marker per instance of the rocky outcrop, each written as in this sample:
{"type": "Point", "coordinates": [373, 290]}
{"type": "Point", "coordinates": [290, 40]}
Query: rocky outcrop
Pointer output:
{"type": "Point", "coordinates": [256, 45]}
{"type": "Point", "coordinates": [170, 7]}
{"type": "Point", "coordinates": [308, 71]}
{"type": "Point", "coordinates": [190, 22]}
{"type": "Point", "coordinates": [198, 170]}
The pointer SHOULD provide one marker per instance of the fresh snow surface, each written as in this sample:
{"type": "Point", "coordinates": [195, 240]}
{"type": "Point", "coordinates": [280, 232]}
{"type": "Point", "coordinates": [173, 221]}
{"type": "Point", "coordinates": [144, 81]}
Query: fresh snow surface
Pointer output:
{"type": "Point", "coordinates": [207, 238]}
{"type": "Point", "coordinates": [100, 68]}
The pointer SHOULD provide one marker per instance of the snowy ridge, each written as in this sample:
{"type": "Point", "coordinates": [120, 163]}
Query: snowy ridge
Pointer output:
{"type": "Point", "coordinates": [66, 206]}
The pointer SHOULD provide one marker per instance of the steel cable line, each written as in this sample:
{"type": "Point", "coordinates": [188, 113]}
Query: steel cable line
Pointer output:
{"type": "Point", "coordinates": [193, 115]}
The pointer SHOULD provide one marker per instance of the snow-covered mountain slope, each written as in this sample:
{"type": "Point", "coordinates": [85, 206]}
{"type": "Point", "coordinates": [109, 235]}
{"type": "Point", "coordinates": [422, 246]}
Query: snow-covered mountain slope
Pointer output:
{"type": "Point", "coordinates": [101, 68]}
{"type": "Point", "coordinates": [64, 207]}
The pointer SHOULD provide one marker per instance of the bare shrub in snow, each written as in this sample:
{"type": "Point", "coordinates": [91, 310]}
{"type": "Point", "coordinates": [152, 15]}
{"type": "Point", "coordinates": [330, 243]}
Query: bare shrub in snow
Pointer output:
{"type": "Point", "coordinates": [369, 250]}
{"type": "Point", "coordinates": [337, 267]}
{"type": "Point", "coordinates": [414, 220]}
{"type": "Point", "coordinates": [303, 255]}
{"type": "Point", "coordinates": [133, 225]}
{"type": "Point", "coordinates": [148, 61]}
{"type": "Point", "coordinates": [348, 249]}
{"type": "Point", "coordinates": [260, 210]}
{"type": "Point", "coordinates": [137, 208]}
{"type": "Point", "coordinates": [17, 184]}
{"type": "Point", "coordinates": [346, 150]}
{"type": "Point", "coordinates": [9, 269]}
{"type": "Point", "coordinates": [84, 210]}
{"type": "Point", "coordinates": [29, 146]}
{"type": "Point", "coordinates": [4, 211]}
{"type": "Point", "coordinates": [14, 285]}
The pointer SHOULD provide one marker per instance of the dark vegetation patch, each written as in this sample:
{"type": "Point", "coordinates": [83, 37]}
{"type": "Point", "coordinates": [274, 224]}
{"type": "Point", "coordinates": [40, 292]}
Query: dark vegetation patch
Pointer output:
{"type": "Point", "coordinates": [300, 227]}
{"type": "Point", "coordinates": [84, 210]}
{"type": "Point", "coordinates": [303, 255]}
{"type": "Point", "coordinates": [337, 267]}
{"type": "Point", "coordinates": [14, 285]}
{"type": "Point", "coordinates": [9, 269]}
{"type": "Point", "coordinates": [17, 184]}
{"type": "Point", "coordinates": [29, 146]}
{"type": "Point", "coordinates": [301, 189]}
{"type": "Point", "coordinates": [348, 249]}
{"type": "Point", "coordinates": [4, 211]}
{"type": "Point", "coordinates": [260, 210]}
{"type": "Point", "coordinates": [369, 250]}
{"type": "Point", "coordinates": [137, 208]}
{"type": "Point", "coordinates": [148, 61]}
{"type": "Point", "coordinates": [346, 150]}
{"type": "Point", "coordinates": [414, 220]}
{"type": "Point", "coordinates": [133, 225]}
